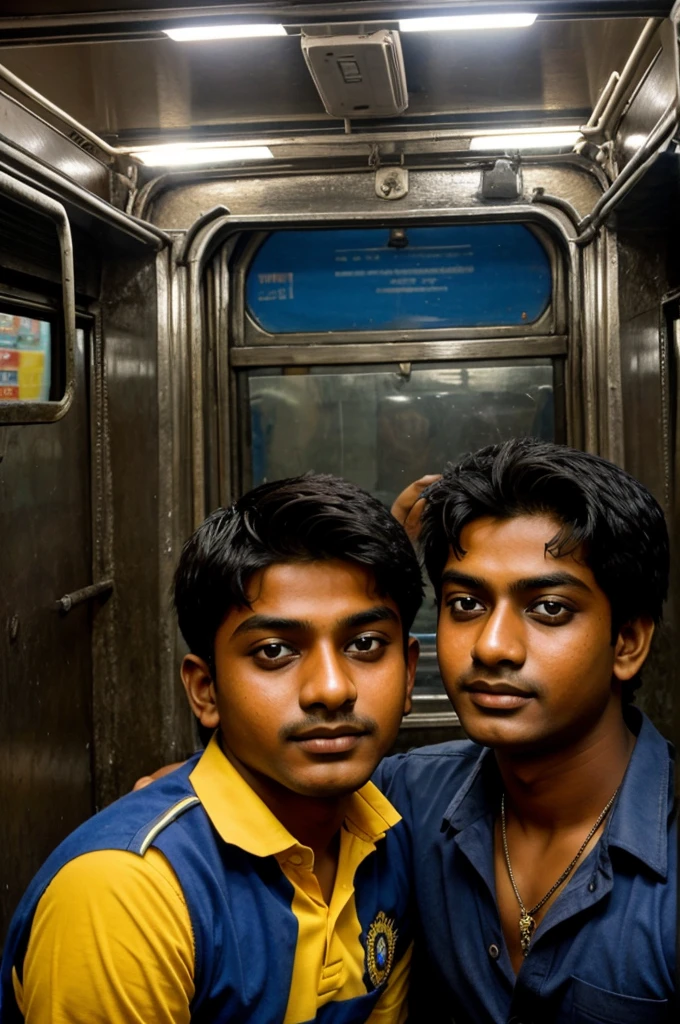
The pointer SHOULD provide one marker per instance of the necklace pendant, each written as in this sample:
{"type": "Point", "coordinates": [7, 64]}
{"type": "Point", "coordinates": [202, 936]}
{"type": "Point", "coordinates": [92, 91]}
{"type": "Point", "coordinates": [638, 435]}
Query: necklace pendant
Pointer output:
{"type": "Point", "coordinates": [526, 930]}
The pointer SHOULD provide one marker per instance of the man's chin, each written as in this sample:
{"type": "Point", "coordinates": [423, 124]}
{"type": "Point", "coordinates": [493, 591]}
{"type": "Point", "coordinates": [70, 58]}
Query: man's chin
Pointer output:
{"type": "Point", "coordinates": [335, 786]}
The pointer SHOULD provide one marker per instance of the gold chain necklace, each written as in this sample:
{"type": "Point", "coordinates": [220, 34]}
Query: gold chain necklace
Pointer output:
{"type": "Point", "coordinates": [526, 921]}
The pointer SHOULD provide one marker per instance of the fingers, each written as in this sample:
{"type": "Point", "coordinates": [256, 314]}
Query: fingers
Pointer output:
{"type": "Point", "coordinates": [408, 505]}
{"type": "Point", "coordinates": [147, 779]}
{"type": "Point", "coordinates": [141, 783]}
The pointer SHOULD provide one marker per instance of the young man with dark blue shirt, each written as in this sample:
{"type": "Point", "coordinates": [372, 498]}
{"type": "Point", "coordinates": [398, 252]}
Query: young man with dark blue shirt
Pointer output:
{"type": "Point", "coordinates": [545, 849]}
{"type": "Point", "coordinates": [266, 881]}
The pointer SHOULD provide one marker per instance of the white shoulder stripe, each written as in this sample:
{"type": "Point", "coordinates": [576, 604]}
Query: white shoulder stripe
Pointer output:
{"type": "Point", "coordinates": [166, 818]}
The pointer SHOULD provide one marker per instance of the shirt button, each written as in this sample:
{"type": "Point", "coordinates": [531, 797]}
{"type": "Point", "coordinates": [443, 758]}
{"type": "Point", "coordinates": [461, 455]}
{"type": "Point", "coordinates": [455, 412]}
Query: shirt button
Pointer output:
{"type": "Point", "coordinates": [591, 887]}
{"type": "Point", "coordinates": [494, 951]}
{"type": "Point", "coordinates": [296, 859]}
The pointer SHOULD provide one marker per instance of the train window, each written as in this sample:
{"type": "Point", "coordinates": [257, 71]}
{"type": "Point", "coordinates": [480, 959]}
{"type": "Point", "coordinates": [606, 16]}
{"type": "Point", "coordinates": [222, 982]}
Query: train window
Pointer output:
{"type": "Point", "coordinates": [419, 278]}
{"type": "Point", "coordinates": [26, 359]}
{"type": "Point", "coordinates": [384, 429]}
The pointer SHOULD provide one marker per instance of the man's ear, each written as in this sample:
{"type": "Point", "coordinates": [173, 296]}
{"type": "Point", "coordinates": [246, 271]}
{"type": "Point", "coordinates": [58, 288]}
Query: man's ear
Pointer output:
{"type": "Point", "coordinates": [412, 652]}
{"type": "Point", "coordinates": [631, 648]}
{"type": "Point", "coordinates": [200, 690]}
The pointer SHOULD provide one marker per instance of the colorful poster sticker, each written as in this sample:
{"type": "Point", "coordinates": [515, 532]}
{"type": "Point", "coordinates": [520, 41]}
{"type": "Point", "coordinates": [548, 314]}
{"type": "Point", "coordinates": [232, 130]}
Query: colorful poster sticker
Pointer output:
{"type": "Point", "coordinates": [25, 359]}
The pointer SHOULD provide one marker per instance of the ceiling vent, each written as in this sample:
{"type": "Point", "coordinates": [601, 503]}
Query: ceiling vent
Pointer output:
{"type": "Point", "coordinates": [358, 76]}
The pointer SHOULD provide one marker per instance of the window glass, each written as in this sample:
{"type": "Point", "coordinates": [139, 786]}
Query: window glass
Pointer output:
{"type": "Point", "coordinates": [361, 280]}
{"type": "Point", "coordinates": [383, 430]}
{"type": "Point", "coordinates": [25, 359]}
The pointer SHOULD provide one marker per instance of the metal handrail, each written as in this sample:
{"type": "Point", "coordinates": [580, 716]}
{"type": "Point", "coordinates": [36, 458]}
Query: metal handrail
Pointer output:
{"type": "Point", "coordinates": [27, 90]}
{"type": "Point", "coordinates": [26, 412]}
{"type": "Point", "coordinates": [615, 88]}
{"type": "Point", "coordinates": [636, 167]}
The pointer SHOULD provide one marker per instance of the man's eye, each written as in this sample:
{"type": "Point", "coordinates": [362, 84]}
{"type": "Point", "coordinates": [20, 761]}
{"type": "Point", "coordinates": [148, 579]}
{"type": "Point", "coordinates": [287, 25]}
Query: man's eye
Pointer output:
{"type": "Point", "coordinates": [552, 611]}
{"type": "Point", "coordinates": [273, 652]}
{"type": "Point", "coordinates": [365, 645]}
{"type": "Point", "coordinates": [465, 605]}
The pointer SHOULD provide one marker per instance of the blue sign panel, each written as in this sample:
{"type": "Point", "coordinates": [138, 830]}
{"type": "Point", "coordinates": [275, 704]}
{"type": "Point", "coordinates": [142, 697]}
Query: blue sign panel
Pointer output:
{"type": "Point", "coordinates": [480, 275]}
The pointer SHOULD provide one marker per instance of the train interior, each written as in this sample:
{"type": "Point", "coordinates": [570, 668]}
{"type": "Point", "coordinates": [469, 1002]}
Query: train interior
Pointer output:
{"type": "Point", "coordinates": [241, 241]}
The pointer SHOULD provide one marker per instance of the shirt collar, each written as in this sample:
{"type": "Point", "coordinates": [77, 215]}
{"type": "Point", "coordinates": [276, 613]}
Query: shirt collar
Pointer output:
{"type": "Point", "coordinates": [639, 819]}
{"type": "Point", "coordinates": [244, 820]}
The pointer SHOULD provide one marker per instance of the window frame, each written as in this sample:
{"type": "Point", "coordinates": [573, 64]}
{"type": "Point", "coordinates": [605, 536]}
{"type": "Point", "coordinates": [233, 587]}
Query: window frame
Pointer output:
{"type": "Point", "coordinates": [246, 332]}
{"type": "Point", "coordinates": [38, 300]}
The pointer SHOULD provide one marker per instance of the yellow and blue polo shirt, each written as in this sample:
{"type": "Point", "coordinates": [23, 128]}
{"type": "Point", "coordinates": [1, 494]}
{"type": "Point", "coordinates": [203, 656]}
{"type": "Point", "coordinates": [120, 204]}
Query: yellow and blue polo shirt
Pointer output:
{"type": "Point", "coordinates": [189, 901]}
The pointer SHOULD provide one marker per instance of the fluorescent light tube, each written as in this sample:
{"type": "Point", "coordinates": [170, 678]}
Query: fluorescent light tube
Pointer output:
{"type": "Point", "coordinates": [526, 140]}
{"type": "Point", "coordinates": [196, 33]}
{"type": "Point", "coordinates": [466, 23]}
{"type": "Point", "coordinates": [187, 155]}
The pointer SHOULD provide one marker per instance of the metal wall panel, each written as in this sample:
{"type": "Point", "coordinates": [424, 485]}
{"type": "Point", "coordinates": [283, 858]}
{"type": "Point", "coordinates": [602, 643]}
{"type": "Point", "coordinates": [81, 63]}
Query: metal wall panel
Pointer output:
{"type": "Point", "coordinates": [45, 656]}
{"type": "Point", "coordinates": [646, 276]}
{"type": "Point", "coordinates": [181, 200]}
{"type": "Point", "coordinates": [140, 711]}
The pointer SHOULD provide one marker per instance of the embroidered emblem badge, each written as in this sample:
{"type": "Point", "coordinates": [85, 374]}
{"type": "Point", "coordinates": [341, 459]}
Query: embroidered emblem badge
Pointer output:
{"type": "Point", "coordinates": [381, 943]}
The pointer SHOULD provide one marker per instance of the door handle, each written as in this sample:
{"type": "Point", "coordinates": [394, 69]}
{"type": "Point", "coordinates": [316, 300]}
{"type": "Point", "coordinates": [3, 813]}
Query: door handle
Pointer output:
{"type": "Point", "coordinates": [68, 601]}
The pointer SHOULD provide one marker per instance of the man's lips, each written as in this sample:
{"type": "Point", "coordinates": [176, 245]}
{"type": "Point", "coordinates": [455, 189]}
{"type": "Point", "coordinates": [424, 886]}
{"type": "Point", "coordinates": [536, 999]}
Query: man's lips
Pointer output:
{"type": "Point", "coordinates": [500, 696]}
{"type": "Point", "coordinates": [328, 739]}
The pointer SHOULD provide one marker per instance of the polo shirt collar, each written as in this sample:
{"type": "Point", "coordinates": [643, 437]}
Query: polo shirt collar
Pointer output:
{"type": "Point", "coordinates": [242, 819]}
{"type": "Point", "coordinates": [639, 819]}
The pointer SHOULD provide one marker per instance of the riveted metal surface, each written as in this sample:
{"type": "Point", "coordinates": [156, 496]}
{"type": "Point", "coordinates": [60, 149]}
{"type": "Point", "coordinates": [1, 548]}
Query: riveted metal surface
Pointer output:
{"type": "Point", "coordinates": [430, 191]}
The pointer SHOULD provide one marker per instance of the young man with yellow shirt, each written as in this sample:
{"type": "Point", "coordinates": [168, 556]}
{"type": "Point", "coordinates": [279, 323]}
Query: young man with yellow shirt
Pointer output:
{"type": "Point", "coordinates": [267, 880]}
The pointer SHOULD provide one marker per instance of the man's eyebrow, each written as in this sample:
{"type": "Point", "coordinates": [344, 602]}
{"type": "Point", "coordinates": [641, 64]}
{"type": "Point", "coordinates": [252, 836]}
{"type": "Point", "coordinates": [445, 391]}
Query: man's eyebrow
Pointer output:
{"type": "Point", "coordinates": [270, 623]}
{"type": "Point", "coordinates": [274, 624]}
{"type": "Point", "coordinates": [543, 582]}
{"type": "Point", "coordinates": [552, 579]}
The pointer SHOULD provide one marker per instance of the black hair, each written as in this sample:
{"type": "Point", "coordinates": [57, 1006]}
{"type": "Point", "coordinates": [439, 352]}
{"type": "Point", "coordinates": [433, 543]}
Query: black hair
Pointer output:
{"type": "Point", "coordinates": [301, 519]}
{"type": "Point", "coordinates": [614, 520]}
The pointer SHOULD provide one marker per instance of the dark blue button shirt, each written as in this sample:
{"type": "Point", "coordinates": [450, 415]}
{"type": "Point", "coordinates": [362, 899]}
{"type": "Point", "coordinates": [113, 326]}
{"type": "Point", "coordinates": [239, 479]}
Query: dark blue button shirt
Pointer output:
{"type": "Point", "coordinates": [605, 950]}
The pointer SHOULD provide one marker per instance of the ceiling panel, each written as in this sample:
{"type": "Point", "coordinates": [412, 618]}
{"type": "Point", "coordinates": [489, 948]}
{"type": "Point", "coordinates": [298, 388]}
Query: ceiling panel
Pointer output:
{"type": "Point", "coordinates": [140, 90]}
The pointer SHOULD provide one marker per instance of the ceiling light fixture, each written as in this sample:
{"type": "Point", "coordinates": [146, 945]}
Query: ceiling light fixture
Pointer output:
{"type": "Point", "coordinates": [189, 155]}
{"type": "Point", "coordinates": [198, 33]}
{"type": "Point", "coordinates": [526, 140]}
{"type": "Point", "coordinates": [466, 23]}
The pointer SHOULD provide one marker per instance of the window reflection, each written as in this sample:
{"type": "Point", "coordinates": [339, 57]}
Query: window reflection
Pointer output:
{"type": "Point", "coordinates": [383, 430]}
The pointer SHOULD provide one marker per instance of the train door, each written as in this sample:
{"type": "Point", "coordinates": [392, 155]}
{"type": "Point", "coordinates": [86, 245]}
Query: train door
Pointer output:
{"type": "Point", "coordinates": [379, 354]}
{"type": "Point", "coordinates": [46, 550]}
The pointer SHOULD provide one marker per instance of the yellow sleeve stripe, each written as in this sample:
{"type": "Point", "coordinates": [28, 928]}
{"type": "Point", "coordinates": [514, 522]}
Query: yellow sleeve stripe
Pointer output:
{"type": "Point", "coordinates": [144, 838]}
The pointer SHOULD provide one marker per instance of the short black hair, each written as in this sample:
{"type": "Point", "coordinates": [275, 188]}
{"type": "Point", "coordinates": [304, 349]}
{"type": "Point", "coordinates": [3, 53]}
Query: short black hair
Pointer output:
{"type": "Point", "coordinates": [308, 518]}
{"type": "Point", "coordinates": [619, 524]}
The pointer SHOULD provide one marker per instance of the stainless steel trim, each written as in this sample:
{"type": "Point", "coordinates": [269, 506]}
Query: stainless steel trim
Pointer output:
{"type": "Point", "coordinates": [255, 337]}
{"type": "Point", "coordinates": [27, 90]}
{"type": "Point", "coordinates": [22, 165]}
{"type": "Point", "coordinates": [220, 229]}
{"type": "Point", "coordinates": [295, 14]}
{"type": "Point", "coordinates": [430, 719]}
{"type": "Point", "coordinates": [36, 412]}
{"type": "Point", "coordinates": [402, 352]}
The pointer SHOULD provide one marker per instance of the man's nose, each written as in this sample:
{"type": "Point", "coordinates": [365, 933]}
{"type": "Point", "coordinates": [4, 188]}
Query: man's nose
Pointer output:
{"type": "Point", "coordinates": [327, 681]}
{"type": "Point", "coordinates": [501, 638]}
